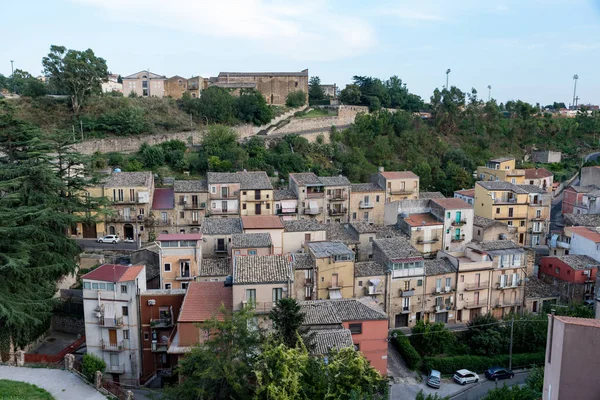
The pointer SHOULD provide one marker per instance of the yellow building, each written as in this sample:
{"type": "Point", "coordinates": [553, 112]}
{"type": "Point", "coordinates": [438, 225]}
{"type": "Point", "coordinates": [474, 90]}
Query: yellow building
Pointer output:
{"type": "Point", "coordinates": [525, 207]}
{"type": "Point", "coordinates": [367, 203]}
{"type": "Point", "coordinates": [180, 256]}
{"type": "Point", "coordinates": [91, 230]}
{"type": "Point", "coordinates": [256, 194]}
{"type": "Point", "coordinates": [498, 169]}
{"type": "Point", "coordinates": [334, 275]}
{"type": "Point", "coordinates": [398, 185]}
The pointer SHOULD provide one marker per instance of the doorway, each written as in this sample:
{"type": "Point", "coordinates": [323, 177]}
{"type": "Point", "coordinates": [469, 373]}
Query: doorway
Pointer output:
{"type": "Point", "coordinates": [257, 209]}
{"type": "Point", "coordinates": [89, 231]}
{"type": "Point", "coordinates": [401, 320]}
{"type": "Point", "coordinates": [128, 231]}
{"type": "Point", "coordinates": [112, 337]}
{"type": "Point", "coordinates": [441, 317]}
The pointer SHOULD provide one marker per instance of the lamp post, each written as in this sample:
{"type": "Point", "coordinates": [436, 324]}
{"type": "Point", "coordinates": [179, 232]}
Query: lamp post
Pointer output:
{"type": "Point", "coordinates": [12, 74]}
{"type": "Point", "coordinates": [575, 77]}
{"type": "Point", "coordinates": [447, 73]}
{"type": "Point", "coordinates": [489, 92]}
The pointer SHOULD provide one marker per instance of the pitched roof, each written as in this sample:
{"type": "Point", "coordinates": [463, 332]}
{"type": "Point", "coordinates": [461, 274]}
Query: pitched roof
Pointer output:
{"type": "Point", "coordinates": [452, 204]}
{"type": "Point", "coordinates": [343, 309]}
{"type": "Point", "coordinates": [537, 288]}
{"type": "Point", "coordinates": [261, 222]}
{"type": "Point", "coordinates": [284, 194]}
{"type": "Point", "coordinates": [114, 273]}
{"type": "Point", "coordinates": [322, 341]}
{"type": "Point", "coordinates": [215, 267]}
{"type": "Point", "coordinates": [203, 300]}
{"type": "Point", "coordinates": [247, 240]}
{"type": "Point", "coordinates": [399, 175]}
{"type": "Point", "coordinates": [302, 225]}
{"type": "Point", "coordinates": [164, 199]}
{"type": "Point", "coordinates": [328, 249]}
{"type": "Point", "coordinates": [221, 226]}
{"type": "Point", "coordinates": [583, 189]}
{"type": "Point", "coordinates": [589, 322]}
{"type": "Point", "coordinates": [466, 192]}
{"type": "Point", "coordinates": [366, 187]}
{"type": "Point", "coordinates": [431, 195]}
{"type": "Point", "coordinates": [438, 266]}
{"type": "Point", "coordinates": [337, 231]}
{"type": "Point", "coordinates": [582, 219]}
{"type": "Point", "coordinates": [497, 245]}
{"type": "Point", "coordinates": [363, 227]}
{"type": "Point", "coordinates": [262, 269]}
{"type": "Point", "coordinates": [334, 181]}
{"type": "Point", "coordinates": [397, 248]}
{"type": "Point", "coordinates": [578, 261]}
{"type": "Point", "coordinates": [254, 180]}
{"type": "Point", "coordinates": [306, 178]}
{"type": "Point", "coordinates": [587, 233]}
{"type": "Point", "coordinates": [222, 177]}
{"type": "Point", "coordinates": [152, 75]}
{"type": "Point", "coordinates": [537, 173]}
{"type": "Point", "coordinates": [178, 236]}
{"type": "Point", "coordinates": [532, 189]}
{"type": "Point", "coordinates": [190, 186]}
{"type": "Point", "coordinates": [368, 268]}
{"type": "Point", "coordinates": [485, 222]}
{"type": "Point", "coordinates": [319, 314]}
{"type": "Point", "coordinates": [501, 185]}
{"type": "Point", "coordinates": [302, 261]}
{"type": "Point", "coordinates": [129, 179]}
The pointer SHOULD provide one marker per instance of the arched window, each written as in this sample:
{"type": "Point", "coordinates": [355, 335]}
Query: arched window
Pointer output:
{"type": "Point", "coordinates": [111, 230]}
{"type": "Point", "coordinates": [180, 82]}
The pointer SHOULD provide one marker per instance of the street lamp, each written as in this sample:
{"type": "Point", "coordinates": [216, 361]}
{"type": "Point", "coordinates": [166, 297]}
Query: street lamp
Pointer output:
{"type": "Point", "coordinates": [12, 74]}
{"type": "Point", "coordinates": [489, 92]}
{"type": "Point", "coordinates": [447, 73]}
{"type": "Point", "coordinates": [575, 77]}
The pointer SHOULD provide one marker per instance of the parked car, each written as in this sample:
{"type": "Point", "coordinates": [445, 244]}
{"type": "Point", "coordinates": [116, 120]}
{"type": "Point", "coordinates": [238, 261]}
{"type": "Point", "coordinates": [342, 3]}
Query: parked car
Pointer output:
{"type": "Point", "coordinates": [109, 239]}
{"type": "Point", "coordinates": [434, 379]}
{"type": "Point", "coordinates": [464, 376]}
{"type": "Point", "coordinates": [129, 240]}
{"type": "Point", "coordinates": [496, 373]}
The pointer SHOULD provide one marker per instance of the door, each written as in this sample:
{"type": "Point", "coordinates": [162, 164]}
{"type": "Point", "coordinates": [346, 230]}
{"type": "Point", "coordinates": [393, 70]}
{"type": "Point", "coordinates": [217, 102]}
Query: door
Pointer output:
{"type": "Point", "coordinates": [220, 244]}
{"type": "Point", "coordinates": [334, 280]}
{"type": "Point", "coordinates": [401, 320]}
{"type": "Point", "coordinates": [457, 234]}
{"type": "Point", "coordinates": [458, 215]}
{"type": "Point", "coordinates": [224, 206]}
{"type": "Point", "coordinates": [224, 192]}
{"type": "Point", "coordinates": [477, 281]}
{"type": "Point", "coordinates": [521, 237]}
{"type": "Point", "coordinates": [127, 213]}
{"type": "Point", "coordinates": [112, 337]}
{"type": "Point", "coordinates": [441, 317]}
{"type": "Point", "coordinates": [257, 209]}
{"type": "Point", "coordinates": [476, 297]}
{"type": "Point", "coordinates": [89, 231]}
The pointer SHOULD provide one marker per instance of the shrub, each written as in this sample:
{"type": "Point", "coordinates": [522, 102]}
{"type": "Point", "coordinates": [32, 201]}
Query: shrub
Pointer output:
{"type": "Point", "coordinates": [448, 365]}
{"type": "Point", "coordinates": [91, 364]}
{"type": "Point", "coordinates": [295, 99]}
{"type": "Point", "coordinates": [406, 350]}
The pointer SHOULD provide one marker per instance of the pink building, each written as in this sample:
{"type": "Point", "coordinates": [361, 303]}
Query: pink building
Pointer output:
{"type": "Point", "coordinates": [572, 361]}
{"type": "Point", "coordinates": [573, 196]}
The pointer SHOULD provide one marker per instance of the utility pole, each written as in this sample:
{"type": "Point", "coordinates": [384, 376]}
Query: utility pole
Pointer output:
{"type": "Point", "coordinates": [512, 325]}
{"type": "Point", "coordinates": [489, 92]}
{"type": "Point", "coordinates": [12, 74]}
{"type": "Point", "coordinates": [81, 127]}
{"type": "Point", "coordinates": [575, 77]}
{"type": "Point", "coordinates": [447, 73]}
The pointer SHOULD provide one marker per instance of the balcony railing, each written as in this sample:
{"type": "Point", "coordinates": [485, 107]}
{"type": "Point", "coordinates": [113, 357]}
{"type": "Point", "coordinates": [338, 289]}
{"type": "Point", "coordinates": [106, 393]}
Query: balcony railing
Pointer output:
{"type": "Point", "coordinates": [427, 241]}
{"type": "Point", "coordinates": [125, 201]}
{"type": "Point", "coordinates": [442, 308]}
{"type": "Point", "coordinates": [260, 307]}
{"type": "Point", "coordinates": [191, 206]}
{"type": "Point", "coordinates": [442, 290]}
{"type": "Point", "coordinates": [509, 285]}
{"type": "Point", "coordinates": [313, 195]}
{"type": "Point", "coordinates": [220, 211]}
{"type": "Point", "coordinates": [362, 204]}
{"type": "Point", "coordinates": [230, 195]}
{"type": "Point", "coordinates": [125, 218]}
{"type": "Point", "coordinates": [509, 303]}
{"type": "Point", "coordinates": [115, 369]}
{"type": "Point", "coordinates": [163, 222]}
{"type": "Point", "coordinates": [476, 304]}
{"type": "Point", "coordinates": [372, 291]}
{"type": "Point", "coordinates": [458, 239]}
{"type": "Point", "coordinates": [512, 200]}
{"type": "Point", "coordinates": [313, 211]}
{"type": "Point", "coordinates": [401, 191]}
{"type": "Point", "coordinates": [338, 211]}
{"type": "Point", "coordinates": [338, 197]}
{"type": "Point", "coordinates": [115, 322]}
{"type": "Point", "coordinates": [220, 249]}
{"type": "Point", "coordinates": [287, 211]}
{"type": "Point", "coordinates": [161, 322]}
{"type": "Point", "coordinates": [476, 286]}
{"type": "Point", "coordinates": [407, 293]}
{"type": "Point", "coordinates": [459, 223]}
{"type": "Point", "coordinates": [335, 285]}
{"type": "Point", "coordinates": [159, 347]}
{"type": "Point", "coordinates": [184, 276]}
{"type": "Point", "coordinates": [108, 346]}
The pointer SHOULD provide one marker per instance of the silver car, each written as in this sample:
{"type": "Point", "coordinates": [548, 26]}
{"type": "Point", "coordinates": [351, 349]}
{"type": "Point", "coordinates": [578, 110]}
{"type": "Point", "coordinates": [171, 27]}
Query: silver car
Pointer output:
{"type": "Point", "coordinates": [109, 239]}
{"type": "Point", "coordinates": [434, 379]}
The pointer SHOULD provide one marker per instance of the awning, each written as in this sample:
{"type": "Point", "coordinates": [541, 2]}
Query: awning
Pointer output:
{"type": "Point", "coordinates": [374, 281]}
{"type": "Point", "coordinates": [313, 205]}
{"type": "Point", "coordinates": [109, 314]}
{"type": "Point", "coordinates": [553, 240]}
{"type": "Point", "coordinates": [288, 206]}
{"type": "Point", "coordinates": [335, 294]}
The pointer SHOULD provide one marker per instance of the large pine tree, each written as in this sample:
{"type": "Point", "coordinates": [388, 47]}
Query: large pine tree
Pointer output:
{"type": "Point", "coordinates": [41, 187]}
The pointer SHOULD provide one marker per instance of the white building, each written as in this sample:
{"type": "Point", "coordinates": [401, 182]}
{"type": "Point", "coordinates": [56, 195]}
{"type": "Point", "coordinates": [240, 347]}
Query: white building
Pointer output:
{"type": "Point", "coordinates": [110, 304]}
{"type": "Point", "coordinates": [458, 217]}
{"type": "Point", "coordinates": [112, 85]}
{"type": "Point", "coordinates": [585, 241]}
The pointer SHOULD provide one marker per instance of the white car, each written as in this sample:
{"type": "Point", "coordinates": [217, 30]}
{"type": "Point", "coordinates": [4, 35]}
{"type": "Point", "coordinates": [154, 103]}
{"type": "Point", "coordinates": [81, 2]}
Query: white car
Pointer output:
{"type": "Point", "coordinates": [109, 239]}
{"type": "Point", "coordinates": [464, 376]}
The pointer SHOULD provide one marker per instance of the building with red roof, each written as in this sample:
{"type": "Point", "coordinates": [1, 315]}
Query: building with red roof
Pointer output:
{"type": "Point", "coordinates": [270, 224]}
{"type": "Point", "coordinates": [398, 185]}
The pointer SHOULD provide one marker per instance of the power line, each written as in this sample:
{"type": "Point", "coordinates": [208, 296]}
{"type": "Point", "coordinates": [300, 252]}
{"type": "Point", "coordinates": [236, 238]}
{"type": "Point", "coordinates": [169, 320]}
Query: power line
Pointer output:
{"type": "Point", "coordinates": [475, 327]}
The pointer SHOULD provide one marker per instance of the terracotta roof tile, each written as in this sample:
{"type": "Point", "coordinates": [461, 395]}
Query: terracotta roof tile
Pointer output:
{"type": "Point", "coordinates": [587, 233]}
{"type": "Point", "coordinates": [109, 273]}
{"type": "Point", "coordinates": [131, 273]}
{"type": "Point", "coordinates": [537, 173]}
{"type": "Point", "coordinates": [399, 175]}
{"type": "Point", "coordinates": [261, 222]}
{"type": "Point", "coordinates": [466, 192]}
{"type": "Point", "coordinates": [203, 300]}
{"type": "Point", "coordinates": [452, 204]}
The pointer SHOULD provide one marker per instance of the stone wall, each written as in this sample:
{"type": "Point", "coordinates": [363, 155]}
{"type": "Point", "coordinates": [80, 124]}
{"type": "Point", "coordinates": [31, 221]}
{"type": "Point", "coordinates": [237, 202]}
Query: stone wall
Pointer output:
{"type": "Point", "coordinates": [546, 156]}
{"type": "Point", "coordinates": [68, 324]}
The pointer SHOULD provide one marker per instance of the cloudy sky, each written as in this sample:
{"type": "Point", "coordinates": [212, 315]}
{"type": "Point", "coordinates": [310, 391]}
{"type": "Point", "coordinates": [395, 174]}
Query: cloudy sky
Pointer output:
{"type": "Point", "coordinates": [524, 49]}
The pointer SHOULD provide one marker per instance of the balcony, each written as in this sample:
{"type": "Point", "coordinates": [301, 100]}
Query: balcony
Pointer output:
{"type": "Point", "coordinates": [287, 211]}
{"type": "Point", "coordinates": [220, 248]}
{"type": "Point", "coordinates": [260, 307]}
{"type": "Point", "coordinates": [407, 293]}
{"type": "Point", "coordinates": [476, 304]}
{"type": "Point", "coordinates": [314, 195]}
{"type": "Point", "coordinates": [165, 322]}
{"type": "Point", "coordinates": [338, 197]}
{"type": "Point", "coordinates": [362, 204]}
{"type": "Point", "coordinates": [125, 218]}
{"type": "Point", "coordinates": [459, 223]}
{"type": "Point", "coordinates": [505, 200]}
{"type": "Point", "coordinates": [441, 290]}
{"type": "Point", "coordinates": [508, 285]}
{"type": "Point", "coordinates": [192, 206]}
{"type": "Point", "coordinates": [456, 239]}
{"type": "Point", "coordinates": [476, 286]}
{"type": "Point", "coordinates": [427, 241]}
{"type": "Point", "coordinates": [540, 218]}
{"type": "Point", "coordinates": [159, 347]}
{"type": "Point", "coordinates": [163, 222]}
{"type": "Point", "coordinates": [261, 197]}
{"type": "Point", "coordinates": [115, 369]}
{"type": "Point", "coordinates": [338, 211]}
{"type": "Point", "coordinates": [195, 222]}
{"type": "Point", "coordinates": [442, 308]}
{"type": "Point", "coordinates": [372, 291]}
{"type": "Point", "coordinates": [563, 245]}
{"type": "Point", "coordinates": [313, 211]}
{"type": "Point", "coordinates": [509, 303]}
{"type": "Point", "coordinates": [116, 322]}
{"type": "Point", "coordinates": [184, 276]}
{"type": "Point", "coordinates": [108, 346]}
{"type": "Point", "coordinates": [220, 211]}
{"type": "Point", "coordinates": [309, 281]}
{"type": "Point", "coordinates": [125, 201]}
{"type": "Point", "coordinates": [225, 196]}
{"type": "Point", "coordinates": [331, 285]}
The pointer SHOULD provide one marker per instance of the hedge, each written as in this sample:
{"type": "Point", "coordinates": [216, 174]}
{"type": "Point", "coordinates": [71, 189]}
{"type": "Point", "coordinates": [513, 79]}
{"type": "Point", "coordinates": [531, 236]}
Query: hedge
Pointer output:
{"type": "Point", "coordinates": [449, 365]}
{"type": "Point", "coordinates": [406, 350]}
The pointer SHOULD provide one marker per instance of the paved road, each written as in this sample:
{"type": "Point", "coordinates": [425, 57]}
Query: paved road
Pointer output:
{"type": "Point", "coordinates": [92, 245]}
{"type": "Point", "coordinates": [61, 384]}
{"type": "Point", "coordinates": [480, 390]}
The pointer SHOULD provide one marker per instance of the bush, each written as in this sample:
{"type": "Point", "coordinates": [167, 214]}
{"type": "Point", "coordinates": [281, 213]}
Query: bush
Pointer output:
{"type": "Point", "coordinates": [449, 365]}
{"type": "Point", "coordinates": [91, 364]}
{"type": "Point", "coordinates": [406, 350]}
{"type": "Point", "coordinates": [295, 99]}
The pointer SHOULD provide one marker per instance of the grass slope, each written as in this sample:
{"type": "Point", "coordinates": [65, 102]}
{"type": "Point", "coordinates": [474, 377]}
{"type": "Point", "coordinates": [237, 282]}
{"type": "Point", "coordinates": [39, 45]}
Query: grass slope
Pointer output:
{"type": "Point", "coordinates": [13, 390]}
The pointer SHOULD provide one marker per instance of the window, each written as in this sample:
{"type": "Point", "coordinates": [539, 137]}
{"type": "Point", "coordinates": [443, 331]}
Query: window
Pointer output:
{"type": "Point", "coordinates": [557, 271]}
{"type": "Point", "coordinates": [538, 213]}
{"type": "Point", "coordinates": [146, 336]}
{"type": "Point", "coordinates": [125, 333]}
{"type": "Point", "coordinates": [522, 223]}
{"type": "Point", "coordinates": [163, 216]}
{"type": "Point", "coordinates": [181, 214]}
{"type": "Point", "coordinates": [462, 278]}
{"type": "Point", "coordinates": [354, 216]}
{"type": "Point", "coordinates": [360, 283]}
{"type": "Point", "coordinates": [243, 206]}
{"type": "Point", "coordinates": [307, 237]}
{"type": "Point", "coordinates": [497, 210]}
{"type": "Point", "coordinates": [87, 285]}
{"type": "Point", "coordinates": [123, 289]}
{"type": "Point", "coordinates": [213, 189]}
{"type": "Point", "coordinates": [167, 267]}
{"type": "Point", "coordinates": [370, 239]}
{"type": "Point", "coordinates": [447, 215]}
{"type": "Point", "coordinates": [125, 311]}
{"type": "Point", "coordinates": [357, 347]}
{"type": "Point", "coordinates": [184, 285]}
{"type": "Point", "coordinates": [448, 282]}
{"type": "Point", "coordinates": [268, 206]}
{"type": "Point", "coordinates": [355, 329]}
{"type": "Point", "coordinates": [252, 252]}
{"type": "Point", "coordinates": [460, 297]}
{"type": "Point", "coordinates": [251, 295]}
{"type": "Point", "coordinates": [277, 294]}
{"type": "Point", "coordinates": [478, 232]}
{"type": "Point", "coordinates": [438, 283]}
{"type": "Point", "coordinates": [95, 285]}
{"type": "Point", "coordinates": [419, 282]}
{"type": "Point", "coordinates": [509, 223]}
{"type": "Point", "coordinates": [406, 285]}
{"type": "Point", "coordinates": [167, 286]}
{"type": "Point", "coordinates": [377, 199]}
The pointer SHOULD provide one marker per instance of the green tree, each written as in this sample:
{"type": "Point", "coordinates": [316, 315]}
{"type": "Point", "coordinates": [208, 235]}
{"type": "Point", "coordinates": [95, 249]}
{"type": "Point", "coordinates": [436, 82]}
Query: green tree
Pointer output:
{"type": "Point", "coordinates": [295, 99]}
{"type": "Point", "coordinates": [252, 107]}
{"type": "Point", "coordinates": [90, 364]}
{"type": "Point", "coordinates": [485, 336]}
{"type": "Point", "coordinates": [42, 198]}
{"type": "Point", "coordinates": [512, 393]}
{"type": "Point", "coordinates": [221, 366]}
{"type": "Point", "coordinates": [350, 95]}
{"type": "Point", "coordinates": [435, 396]}
{"type": "Point", "coordinates": [152, 156]}
{"type": "Point", "coordinates": [428, 338]}
{"type": "Point", "coordinates": [535, 380]}
{"type": "Point", "coordinates": [279, 370]}
{"type": "Point", "coordinates": [287, 320]}
{"type": "Point", "coordinates": [315, 91]}
{"type": "Point", "coordinates": [216, 105]}
{"type": "Point", "coordinates": [26, 84]}
{"type": "Point", "coordinates": [221, 142]}
{"type": "Point", "coordinates": [78, 73]}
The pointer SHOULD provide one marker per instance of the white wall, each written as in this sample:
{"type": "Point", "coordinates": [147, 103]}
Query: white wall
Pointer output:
{"type": "Point", "coordinates": [294, 241]}
{"type": "Point", "coordinates": [581, 245]}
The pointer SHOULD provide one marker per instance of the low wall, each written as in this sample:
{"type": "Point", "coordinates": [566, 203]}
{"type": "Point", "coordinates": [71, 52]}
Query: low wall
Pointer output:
{"type": "Point", "coordinates": [68, 324]}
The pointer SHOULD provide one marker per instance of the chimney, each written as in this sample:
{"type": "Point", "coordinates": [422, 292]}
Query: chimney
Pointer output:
{"type": "Point", "coordinates": [380, 169]}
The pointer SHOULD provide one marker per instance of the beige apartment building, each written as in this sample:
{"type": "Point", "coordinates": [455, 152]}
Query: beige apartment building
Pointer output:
{"type": "Point", "coordinates": [370, 281]}
{"type": "Point", "coordinates": [337, 197]}
{"type": "Point", "coordinates": [473, 286]}
{"type": "Point", "coordinates": [296, 233]}
{"type": "Point", "coordinates": [286, 204]}
{"type": "Point", "coordinates": [191, 199]}
{"type": "Point", "coordinates": [334, 269]}
{"type": "Point", "coordinates": [367, 201]}
{"type": "Point", "coordinates": [217, 235]}
{"type": "Point", "coordinates": [310, 193]}
{"type": "Point", "coordinates": [180, 258]}
{"type": "Point", "coordinates": [251, 244]}
{"type": "Point", "coordinates": [440, 290]}
{"type": "Point", "coordinates": [398, 185]}
{"type": "Point", "coordinates": [269, 224]}
{"type": "Point", "coordinates": [256, 193]}
{"type": "Point", "coordinates": [223, 194]}
{"type": "Point", "coordinates": [424, 230]}
{"type": "Point", "coordinates": [503, 169]}
{"type": "Point", "coordinates": [177, 85]}
{"type": "Point", "coordinates": [144, 84]}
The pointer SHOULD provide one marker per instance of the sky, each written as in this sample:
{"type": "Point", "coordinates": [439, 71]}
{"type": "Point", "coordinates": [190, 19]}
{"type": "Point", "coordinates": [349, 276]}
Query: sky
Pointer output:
{"type": "Point", "coordinates": [524, 49]}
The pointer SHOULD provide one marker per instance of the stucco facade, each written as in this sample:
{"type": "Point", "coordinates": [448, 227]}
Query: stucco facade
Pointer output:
{"type": "Point", "coordinates": [144, 84]}
{"type": "Point", "coordinates": [398, 185]}
{"type": "Point", "coordinates": [180, 256]}
{"type": "Point", "coordinates": [367, 202]}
